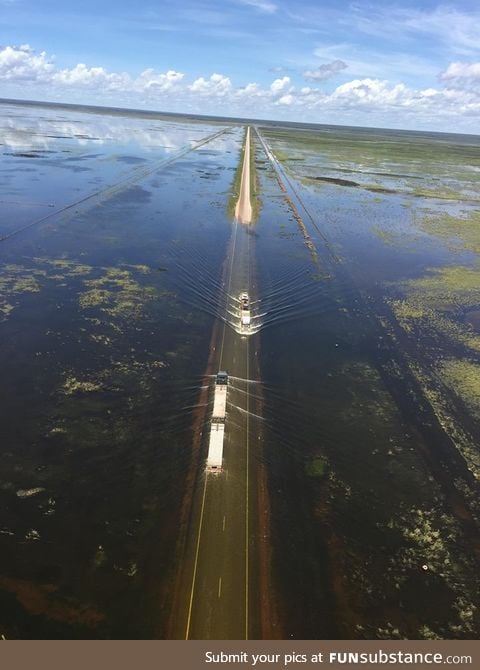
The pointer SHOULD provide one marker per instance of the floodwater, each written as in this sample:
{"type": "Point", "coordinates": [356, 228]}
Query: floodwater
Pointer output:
{"type": "Point", "coordinates": [372, 455]}
{"type": "Point", "coordinates": [368, 438]}
{"type": "Point", "coordinates": [102, 362]}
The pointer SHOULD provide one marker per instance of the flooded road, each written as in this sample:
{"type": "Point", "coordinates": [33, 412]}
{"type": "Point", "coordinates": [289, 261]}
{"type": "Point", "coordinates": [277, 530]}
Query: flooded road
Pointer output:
{"type": "Point", "coordinates": [216, 598]}
{"type": "Point", "coordinates": [348, 506]}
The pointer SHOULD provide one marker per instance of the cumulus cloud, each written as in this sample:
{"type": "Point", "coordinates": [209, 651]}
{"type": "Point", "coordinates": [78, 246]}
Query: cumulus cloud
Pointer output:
{"type": "Point", "coordinates": [21, 63]}
{"type": "Point", "coordinates": [461, 71]}
{"type": "Point", "coordinates": [325, 71]}
{"type": "Point", "coordinates": [279, 84]}
{"type": "Point", "coordinates": [285, 99]}
{"type": "Point", "coordinates": [361, 99]}
{"type": "Point", "coordinates": [147, 82]}
{"type": "Point", "coordinates": [249, 91]}
{"type": "Point", "coordinates": [217, 85]}
{"type": "Point", "coordinates": [371, 91]}
{"type": "Point", "coordinates": [151, 80]}
{"type": "Point", "coordinates": [86, 77]}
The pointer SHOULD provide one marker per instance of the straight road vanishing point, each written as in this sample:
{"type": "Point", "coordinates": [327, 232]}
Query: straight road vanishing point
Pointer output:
{"type": "Point", "coordinates": [243, 209]}
{"type": "Point", "coordinates": [215, 594]}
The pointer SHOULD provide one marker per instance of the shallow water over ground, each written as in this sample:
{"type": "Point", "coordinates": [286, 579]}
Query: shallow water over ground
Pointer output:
{"type": "Point", "coordinates": [372, 458]}
{"type": "Point", "coordinates": [102, 363]}
{"type": "Point", "coordinates": [365, 415]}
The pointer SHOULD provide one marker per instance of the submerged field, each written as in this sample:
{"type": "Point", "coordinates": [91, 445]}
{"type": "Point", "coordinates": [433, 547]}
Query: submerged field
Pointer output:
{"type": "Point", "coordinates": [102, 362]}
{"type": "Point", "coordinates": [114, 233]}
{"type": "Point", "coordinates": [391, 400]}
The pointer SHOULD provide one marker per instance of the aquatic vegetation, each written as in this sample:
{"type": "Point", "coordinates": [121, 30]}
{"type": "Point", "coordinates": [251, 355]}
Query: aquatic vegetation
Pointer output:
{"type": "Point", "coordinates": [28, 493]}
{"type": "Point", "coordinates": [16, 280]}
{"type": "Point", "coordinates": [13, 283]}
{"type": "Point", "coordinates": [425, 633]}
{"type": "Point", "coordinates": [435, 301]}
{"type": "Point", "coordinates": [432, 538]}
{"type": "Point", "coordinates": [448, 170]}
{"type": "Point", "coordinates": [463, 377]}
{"type": "Point", "coordinates": [144, 269]}
{"type": "Point", "coordinates": [459, 232]}
{"type": "Point", "coordinates": [116, 293]}
{"type": "Point", "coordinates": [366, 394]}
{"type": "Point", "coordinates": [387, 236]}
{"type": "Point", "coordinates": [317, 467]}
{"type": "Point", "coordinates": [72, 385]}
{"type": "Point", "coordinates": [6, 307]}
{"type": "Point", "coordinates": [70, 267]}
{"type": "Point", "coordinates": [405, 310]}
{"type": "Point", "coordinates": [443, 194]}
{"type": "Point", "coordinates": [415, 315]}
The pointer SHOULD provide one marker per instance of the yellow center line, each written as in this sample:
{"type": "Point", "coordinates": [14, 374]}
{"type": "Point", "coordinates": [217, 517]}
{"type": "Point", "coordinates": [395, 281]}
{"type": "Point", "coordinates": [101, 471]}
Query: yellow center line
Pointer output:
{"type": "Point", "coordinates": [187, 632]}
{"type": "Point", "coordinates": [192, 591]}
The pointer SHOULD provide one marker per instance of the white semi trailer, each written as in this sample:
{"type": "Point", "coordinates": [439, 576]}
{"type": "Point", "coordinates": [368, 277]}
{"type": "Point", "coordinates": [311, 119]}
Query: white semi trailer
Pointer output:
{"type": "Point", "coordinates": [217, 427]}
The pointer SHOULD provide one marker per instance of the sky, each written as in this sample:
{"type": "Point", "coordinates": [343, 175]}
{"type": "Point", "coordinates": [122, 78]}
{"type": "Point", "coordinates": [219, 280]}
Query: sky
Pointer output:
{"type": "Point", "coordinates": [413, 65]}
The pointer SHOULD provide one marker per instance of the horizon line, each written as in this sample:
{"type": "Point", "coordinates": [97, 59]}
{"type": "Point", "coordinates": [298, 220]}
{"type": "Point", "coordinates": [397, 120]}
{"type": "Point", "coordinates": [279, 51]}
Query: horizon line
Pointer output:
{"type": "Point", "coordinates": [236, 119]}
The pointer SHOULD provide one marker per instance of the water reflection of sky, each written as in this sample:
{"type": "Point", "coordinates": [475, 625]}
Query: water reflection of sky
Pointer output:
{"type": "Point", "coordinates": [52, 158]}
{"type": "Point", "coordinates": [34, 129]}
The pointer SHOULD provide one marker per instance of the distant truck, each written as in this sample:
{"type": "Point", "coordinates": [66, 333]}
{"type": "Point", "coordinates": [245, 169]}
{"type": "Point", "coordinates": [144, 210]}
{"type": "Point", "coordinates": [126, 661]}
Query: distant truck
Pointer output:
{"type": "Point", "coordinates": [217, 427]}
{"type": "Point", "coordinates": [245, 309]}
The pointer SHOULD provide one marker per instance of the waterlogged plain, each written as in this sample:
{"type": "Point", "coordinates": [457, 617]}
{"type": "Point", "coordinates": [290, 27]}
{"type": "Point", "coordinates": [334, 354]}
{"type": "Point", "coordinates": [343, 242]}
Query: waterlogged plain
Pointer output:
{"type": "Point", "coordinates": [379, 476]}
{"type": "Point", "coordinates": [66, 155]}
{"type": "Point", "coordinates": [102, 360]}
{"type": "Point", "coordinates": [369, 399]}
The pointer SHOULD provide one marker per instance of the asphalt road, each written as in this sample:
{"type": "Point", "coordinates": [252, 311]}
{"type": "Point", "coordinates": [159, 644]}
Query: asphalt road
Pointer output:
{"type": "Point", "coordinates": [218, 593]}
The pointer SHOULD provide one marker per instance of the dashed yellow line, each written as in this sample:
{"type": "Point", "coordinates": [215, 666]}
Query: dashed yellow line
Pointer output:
{"type": "Point", "coordinates": [192, 591]}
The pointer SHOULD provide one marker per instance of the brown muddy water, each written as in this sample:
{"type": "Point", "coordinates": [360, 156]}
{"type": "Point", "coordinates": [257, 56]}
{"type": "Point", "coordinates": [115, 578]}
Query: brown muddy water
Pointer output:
{"type": "Point", "coordinates": [369, 349]}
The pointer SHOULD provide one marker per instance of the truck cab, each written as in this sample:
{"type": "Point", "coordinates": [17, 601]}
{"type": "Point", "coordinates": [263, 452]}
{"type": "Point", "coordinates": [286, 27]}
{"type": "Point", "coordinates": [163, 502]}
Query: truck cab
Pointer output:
{"type": "Point", "coordinates": [222, 378]}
